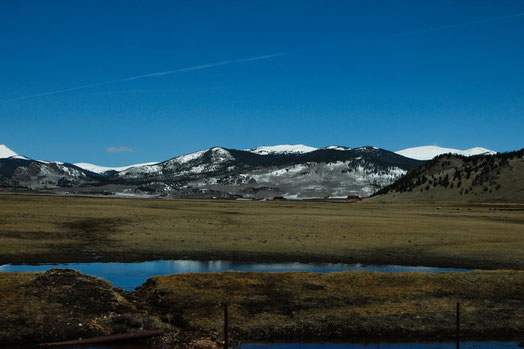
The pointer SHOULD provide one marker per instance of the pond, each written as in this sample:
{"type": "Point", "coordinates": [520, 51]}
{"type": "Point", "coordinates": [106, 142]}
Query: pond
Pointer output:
{"type": "Point", "coordinates": [130, 275]}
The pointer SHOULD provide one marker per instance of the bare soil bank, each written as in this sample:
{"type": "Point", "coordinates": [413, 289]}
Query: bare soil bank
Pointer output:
{"type": "Point", "coordinates": [64, 304]}
{"type": "Point", "coordinates": [45, 229]}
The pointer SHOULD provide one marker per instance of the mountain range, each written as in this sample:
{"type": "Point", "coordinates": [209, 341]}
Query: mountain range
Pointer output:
{"type": "Point", "coordinates": [291, 171]}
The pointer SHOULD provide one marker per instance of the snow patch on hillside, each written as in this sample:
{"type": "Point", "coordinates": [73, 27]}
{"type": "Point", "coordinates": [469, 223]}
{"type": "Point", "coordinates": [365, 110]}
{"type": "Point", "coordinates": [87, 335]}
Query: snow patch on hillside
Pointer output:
{"type": "Point", "coordinates": [282, 149]}
{"type": "Point", "coordinates": [189, 157]}
{"type": "Point", "coordinates": [102, 169]}
{"type": "Point", "coordinates": [428, 152]}
{"type": "Point", "coordinates": [337, 147]}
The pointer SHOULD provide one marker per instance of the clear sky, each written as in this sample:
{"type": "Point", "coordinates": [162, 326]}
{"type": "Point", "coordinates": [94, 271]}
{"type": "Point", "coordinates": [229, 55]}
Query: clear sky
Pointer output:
{"type": "Point", "coordinates": [121, 82]}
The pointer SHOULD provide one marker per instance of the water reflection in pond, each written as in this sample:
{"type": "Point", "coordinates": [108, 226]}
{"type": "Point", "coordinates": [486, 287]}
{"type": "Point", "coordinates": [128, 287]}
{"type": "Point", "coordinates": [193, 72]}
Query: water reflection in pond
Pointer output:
{"type": "Point", "coordinates": [130, 275]}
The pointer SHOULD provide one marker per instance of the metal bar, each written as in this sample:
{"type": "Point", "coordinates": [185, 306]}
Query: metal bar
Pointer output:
{"type": "Point", "coordinates": [226, 327]}
{"type": "Point", "coordinates": [458, 325]}
{"type": "Point", "coordinates": [106, 339]}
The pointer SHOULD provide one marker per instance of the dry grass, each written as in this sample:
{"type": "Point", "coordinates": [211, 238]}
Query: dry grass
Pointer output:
{"type": "Point", "coordinates": [343, 305]}
{"type": "Point", "coordinates": [50, 228]}
{"type": "Point", "coordinates": [64, 304]}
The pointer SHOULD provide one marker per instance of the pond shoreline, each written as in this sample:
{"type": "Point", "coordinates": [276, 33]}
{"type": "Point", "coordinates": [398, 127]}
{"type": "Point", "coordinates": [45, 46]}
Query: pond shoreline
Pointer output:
{"type": "Point", "coordinates": [131, 275]}
{"type": "Point", "coordinates": [259, 257]}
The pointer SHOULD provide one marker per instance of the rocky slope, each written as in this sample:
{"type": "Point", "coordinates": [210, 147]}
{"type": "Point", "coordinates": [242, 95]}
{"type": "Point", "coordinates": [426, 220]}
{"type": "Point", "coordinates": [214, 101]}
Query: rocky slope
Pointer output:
{"type": "Point", "coordinates": [261, 174]}
{"type": "Point", "coordinates": [23, 173]}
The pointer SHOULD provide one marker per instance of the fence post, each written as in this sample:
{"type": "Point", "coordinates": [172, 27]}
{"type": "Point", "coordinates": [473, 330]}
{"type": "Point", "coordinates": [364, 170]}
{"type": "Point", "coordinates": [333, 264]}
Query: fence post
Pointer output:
{"type": "Point", "coordinates": [458, 325]}
{"type": "Point", "coordinates": [226, 327]}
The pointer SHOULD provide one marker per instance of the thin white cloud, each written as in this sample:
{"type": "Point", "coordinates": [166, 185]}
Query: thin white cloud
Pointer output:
{"type": "Point", "coordinates": [119, 149]}
{"type": "Point", "coordinates": [151, 75]}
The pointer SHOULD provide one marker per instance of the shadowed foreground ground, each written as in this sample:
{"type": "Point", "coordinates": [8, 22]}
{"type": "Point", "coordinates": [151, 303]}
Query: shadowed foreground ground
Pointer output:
{"type": "Point", "coordinates": [62, 304]}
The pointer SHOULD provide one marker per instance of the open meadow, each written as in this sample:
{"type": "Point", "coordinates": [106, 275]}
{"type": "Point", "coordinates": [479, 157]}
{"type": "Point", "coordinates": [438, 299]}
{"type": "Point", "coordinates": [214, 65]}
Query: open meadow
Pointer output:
{"type": "Point", "coordinates": [40, 228]}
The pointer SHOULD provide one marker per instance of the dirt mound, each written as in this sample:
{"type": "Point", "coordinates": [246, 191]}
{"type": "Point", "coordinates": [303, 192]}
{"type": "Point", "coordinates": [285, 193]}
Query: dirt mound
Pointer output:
{"type": "Point", "coordinates": [64, 304]}
{"type": "Point", "coordinates": [83, 294]}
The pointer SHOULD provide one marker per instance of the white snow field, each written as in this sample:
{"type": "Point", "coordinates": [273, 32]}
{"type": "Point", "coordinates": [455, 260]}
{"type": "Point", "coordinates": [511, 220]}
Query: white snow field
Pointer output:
{"type": "Point", "coordinates": [428, 152]}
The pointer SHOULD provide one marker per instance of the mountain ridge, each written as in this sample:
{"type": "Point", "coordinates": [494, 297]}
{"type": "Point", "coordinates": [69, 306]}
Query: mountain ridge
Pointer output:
{"type": "Point", "coordinates": [295, 172]}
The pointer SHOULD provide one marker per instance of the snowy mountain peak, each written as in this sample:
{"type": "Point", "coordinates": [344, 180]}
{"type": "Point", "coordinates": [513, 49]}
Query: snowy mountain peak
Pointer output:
{"type": "Point", "coordinates": [336, 147]}
{"type": "Point", "coordinates": [282, 149]}
{"type": "Point", "coordinates": [478, 151]}
{"type": "Point", "coordinates": [216, 152]}
{"type": "Point", "coordinates": [5, 152]}
{"type": "Point", "coordinates": [428, 152]}
{"type": "Point", "coordinates": [103, 169]}
{"type": "Point", "coordinates": [219, 150]}
{"type": "Point", "coordinates": [220, 154]}
{"type": "Point", "coordinates": [367, 147]}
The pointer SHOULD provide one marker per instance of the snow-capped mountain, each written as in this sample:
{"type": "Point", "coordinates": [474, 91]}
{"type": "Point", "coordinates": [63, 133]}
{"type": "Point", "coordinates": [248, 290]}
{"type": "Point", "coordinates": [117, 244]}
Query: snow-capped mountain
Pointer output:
{"type": "Point", "coordinates": [282, 149]}
{"type": "Point", "coordinates": [104, 169]}
{"type": "Point", "coordinates": [337, 147]}
{"type": "Point", "coordinates": [292, 171]}
{"type": "Point", "coordinates": [428, 152]}
{"type": "Point", "coordinates": [17, 171]}
{"type": "Point", "coordinates": [289, 171]}
{"type": "Point", "coordinates": [5, 152]}
{"type": "Point", "coordinates": [20, 172]}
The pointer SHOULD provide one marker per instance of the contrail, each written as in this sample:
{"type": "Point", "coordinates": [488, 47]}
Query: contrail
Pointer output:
{"type": "Point", "coordinates": [151, 75]}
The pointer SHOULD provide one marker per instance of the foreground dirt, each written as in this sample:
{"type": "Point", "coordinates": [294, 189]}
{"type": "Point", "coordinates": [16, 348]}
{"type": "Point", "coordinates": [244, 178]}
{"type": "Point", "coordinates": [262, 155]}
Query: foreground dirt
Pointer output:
{"type": "Point", "coordinates": [64, 305]}
{"type": "Point", "coordinates": [40, 229]}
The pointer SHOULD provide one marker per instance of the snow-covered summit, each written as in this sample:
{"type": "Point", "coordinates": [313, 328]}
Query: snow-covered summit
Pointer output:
{"type": "Point", "coordinates": [428, 152]}
{"type": "Point", "coordinates": [5, 152]}
{"type": "Point", "coordinates": [216, 153]}
{"type": "Point", "coordinates": [282, 149]}
{"type": "Point", "coordinates": [102, 169]}
{"type": "Point", "coordinates": [337, 147]}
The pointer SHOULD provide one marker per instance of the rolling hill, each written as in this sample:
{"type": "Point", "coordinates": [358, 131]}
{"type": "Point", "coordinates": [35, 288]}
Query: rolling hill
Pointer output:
{"type": "Point", "coordinates": [498, 177]}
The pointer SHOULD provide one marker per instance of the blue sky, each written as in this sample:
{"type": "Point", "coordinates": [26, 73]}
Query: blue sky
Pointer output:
{"type": "Point", "coordinates": [79, 78]}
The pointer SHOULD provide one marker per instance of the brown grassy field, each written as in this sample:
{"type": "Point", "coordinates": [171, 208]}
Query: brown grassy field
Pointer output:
{"type": "Point", "coordinates": [37, 228]}
{"type": "Point", "coordinates": [265, 306]}
{"type": "Point", "coordinates": [64, 305]}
